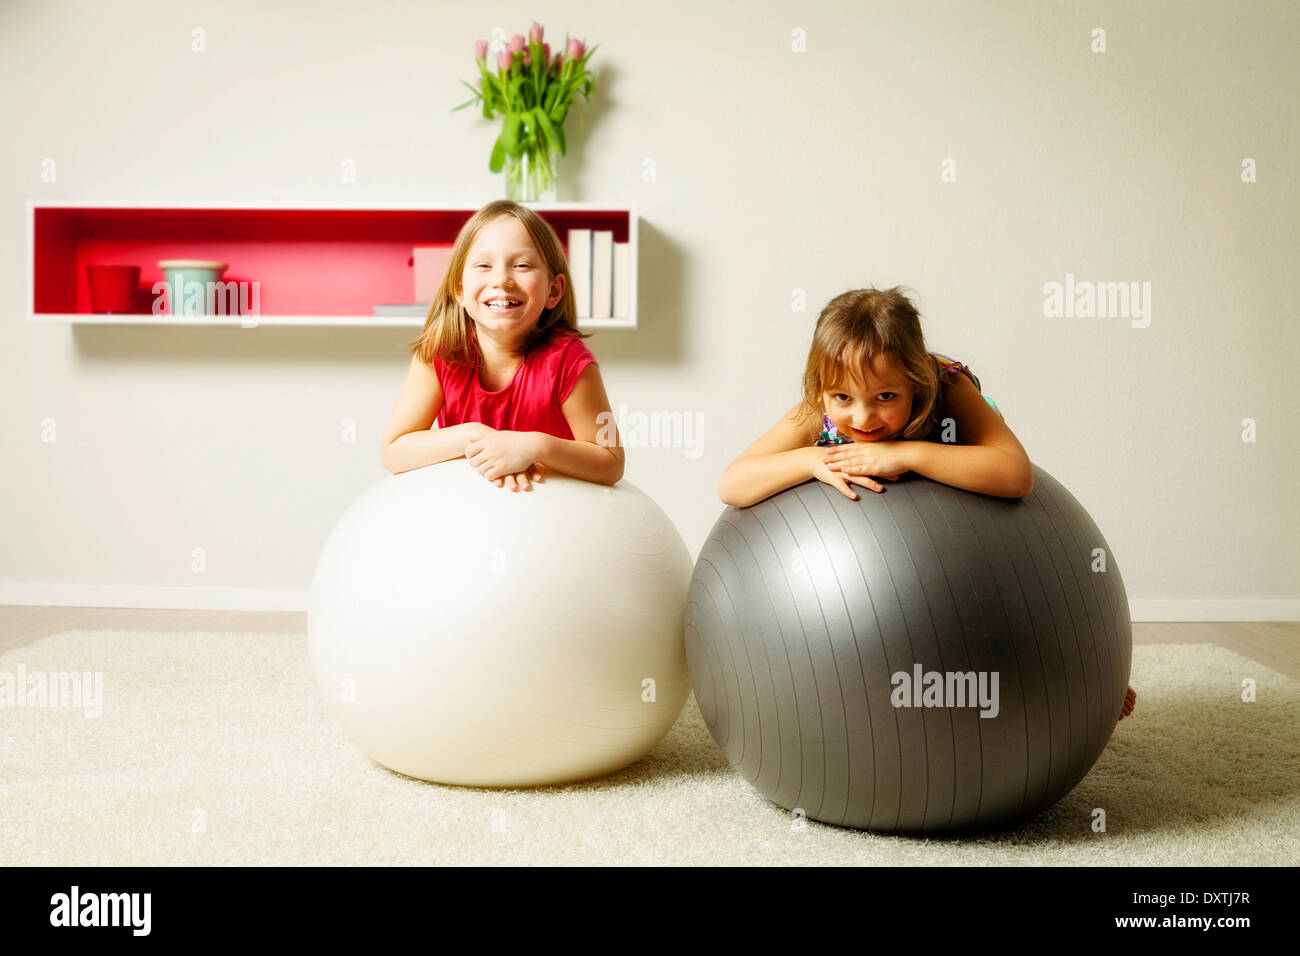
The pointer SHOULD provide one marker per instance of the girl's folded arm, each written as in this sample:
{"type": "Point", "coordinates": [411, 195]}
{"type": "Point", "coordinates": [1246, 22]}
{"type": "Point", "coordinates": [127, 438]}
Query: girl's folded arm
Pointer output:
{"type": "Point", "coordinates": [408, 441]}
{"type": "Point", "coordinates": [595, 453]}
{"type": "Point", "coordinates": [779, 459]}
{"type": "Point", "coordinates": [989, 461]}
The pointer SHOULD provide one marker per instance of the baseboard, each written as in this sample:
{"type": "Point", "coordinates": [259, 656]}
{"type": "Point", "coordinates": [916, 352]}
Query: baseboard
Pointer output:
{"type": "Point", "coordinates": [39, 594]}
{"type": "Point", "coordinates": [1215, 609]}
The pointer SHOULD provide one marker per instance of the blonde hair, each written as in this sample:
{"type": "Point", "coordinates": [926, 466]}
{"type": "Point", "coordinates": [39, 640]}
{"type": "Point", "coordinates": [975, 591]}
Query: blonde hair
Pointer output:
{"type": "Point", "coordinates": [448, 331]}
{"type": "Point", "coordinates": [856, 326]}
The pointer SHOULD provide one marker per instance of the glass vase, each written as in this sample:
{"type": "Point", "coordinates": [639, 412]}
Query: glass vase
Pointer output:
{"type": "Point", "coordinates": [530, 177]}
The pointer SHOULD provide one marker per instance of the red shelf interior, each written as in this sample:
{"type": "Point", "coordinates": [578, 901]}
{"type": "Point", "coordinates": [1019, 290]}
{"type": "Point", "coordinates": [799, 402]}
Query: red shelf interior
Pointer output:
{"type": "Point", "coordinates": [307, 261]}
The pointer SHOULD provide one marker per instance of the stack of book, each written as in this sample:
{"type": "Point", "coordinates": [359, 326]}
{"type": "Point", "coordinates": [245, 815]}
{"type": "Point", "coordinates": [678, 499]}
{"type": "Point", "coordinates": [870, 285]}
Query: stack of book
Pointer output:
{"type": "Point", "coordinates": [600, 270]}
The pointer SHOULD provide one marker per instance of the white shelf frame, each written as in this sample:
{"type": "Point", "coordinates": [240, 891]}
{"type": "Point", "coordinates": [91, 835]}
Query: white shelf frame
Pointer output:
{"type": "Point", "coordinates": [337, 321]}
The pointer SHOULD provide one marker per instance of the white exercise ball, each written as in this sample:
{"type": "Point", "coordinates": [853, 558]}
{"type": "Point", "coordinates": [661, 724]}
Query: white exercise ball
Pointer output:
{"type": "Point", "coordinates": [466, 634]}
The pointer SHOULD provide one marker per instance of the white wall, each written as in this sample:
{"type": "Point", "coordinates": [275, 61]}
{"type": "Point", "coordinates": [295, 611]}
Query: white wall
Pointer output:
{"type": "Point", "coordinates": [776, 170]}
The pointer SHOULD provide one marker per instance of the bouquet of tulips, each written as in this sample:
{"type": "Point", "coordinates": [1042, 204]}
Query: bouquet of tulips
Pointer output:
{"type": "Point", "coordinates": [533, 93]}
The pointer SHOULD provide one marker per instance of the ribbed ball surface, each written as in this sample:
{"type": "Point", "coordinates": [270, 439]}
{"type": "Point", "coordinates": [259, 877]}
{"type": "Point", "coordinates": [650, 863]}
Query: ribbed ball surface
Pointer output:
{"type": "Point", "coordinates": [467, 634]}
{"type": "Point", "coordinates": [802, 606]}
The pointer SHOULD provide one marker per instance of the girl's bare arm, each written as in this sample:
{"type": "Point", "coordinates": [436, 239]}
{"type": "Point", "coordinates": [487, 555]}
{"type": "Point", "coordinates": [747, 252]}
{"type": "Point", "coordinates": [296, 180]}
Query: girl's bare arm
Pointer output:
{"type": "Point", "coordinates": [780, 459]}
{"type": "Point", "coordinates": [990, 459]}
{"type": "Point", "coordinates": [595, 453]}
{"type": "Point", "coordinates": [408, 442]}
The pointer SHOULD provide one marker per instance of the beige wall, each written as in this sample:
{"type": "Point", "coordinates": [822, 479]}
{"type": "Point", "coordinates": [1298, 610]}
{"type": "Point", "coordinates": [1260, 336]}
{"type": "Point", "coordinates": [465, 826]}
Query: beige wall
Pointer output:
{"type": "Point", "coordinates": [776, 171]}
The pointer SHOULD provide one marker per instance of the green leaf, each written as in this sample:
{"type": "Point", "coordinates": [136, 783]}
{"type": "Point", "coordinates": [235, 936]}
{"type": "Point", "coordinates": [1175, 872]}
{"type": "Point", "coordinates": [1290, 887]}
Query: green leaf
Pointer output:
{"type": "Point", "coordinates": [544, 122]}
{"type": "Point", "coordinates": [477, 96]}
{"type": "Point", "coordinates": [498, 160]}
{"type": "Point", "coordinates": [510, 133]}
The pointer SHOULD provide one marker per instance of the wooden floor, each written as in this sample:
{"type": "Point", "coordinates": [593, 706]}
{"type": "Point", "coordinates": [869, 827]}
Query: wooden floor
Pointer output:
{"type": "Point", "coordinates": [1276, 645]}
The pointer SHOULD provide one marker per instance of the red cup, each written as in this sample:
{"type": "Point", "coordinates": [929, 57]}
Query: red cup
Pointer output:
{"type": "Point", "coordinates": [113, 288]}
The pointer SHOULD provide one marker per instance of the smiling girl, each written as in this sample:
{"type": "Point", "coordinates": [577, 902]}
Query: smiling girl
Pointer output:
{"type": "Point", "coordinates": [876, 405]}
{"type": "Point", "coordinates": [501, 365]}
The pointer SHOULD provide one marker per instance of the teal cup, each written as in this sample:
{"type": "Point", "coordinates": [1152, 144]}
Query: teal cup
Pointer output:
{"type": "Point", "coordinates": [189, 284]}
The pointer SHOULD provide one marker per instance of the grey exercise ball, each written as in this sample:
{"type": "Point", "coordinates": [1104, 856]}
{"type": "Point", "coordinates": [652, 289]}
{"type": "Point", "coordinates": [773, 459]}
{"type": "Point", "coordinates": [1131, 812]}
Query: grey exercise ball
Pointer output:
{"type": "Point", "coordinates": [922, 659]}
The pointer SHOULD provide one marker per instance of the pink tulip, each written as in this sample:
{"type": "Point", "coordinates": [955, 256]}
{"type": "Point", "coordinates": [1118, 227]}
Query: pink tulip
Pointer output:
{"type": "Point", "coordinates": [516, 43]}
{"type": "Point", "coordinates": [546, 52]}
{"type": "Point", "coordinates": [535, 32]}
{"type": "Point", "coordinates": [504, 59]}
{"type": "Point", "coordinates": [528, 59]}
{"type": "Point", "coordinates": [558, 63]}
{"type": "Point", "coordinates": [576, 49]}
{"type": "Point", "coordinates": [480, 50]}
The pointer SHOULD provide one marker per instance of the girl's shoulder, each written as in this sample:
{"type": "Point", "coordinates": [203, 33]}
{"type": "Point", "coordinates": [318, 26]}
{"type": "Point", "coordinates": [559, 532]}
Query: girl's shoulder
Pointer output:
{"type": "Point", "coordinates": [949, 368]}
{"type": "Point", "coordinates": [562, 360]}
{"type": "Point", "coordinates": [564, 343]}
{"type": "Point", "coordinates": [446, 368]}
{"type": "Point", "coordinates": [565, 351]}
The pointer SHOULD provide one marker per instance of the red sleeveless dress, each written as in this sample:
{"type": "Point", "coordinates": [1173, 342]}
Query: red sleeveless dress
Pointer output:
{"type": "Point", "coordinates": [530, 402]}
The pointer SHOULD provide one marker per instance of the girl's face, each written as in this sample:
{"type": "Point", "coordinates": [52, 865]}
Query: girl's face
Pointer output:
{"type": "Point", "coordinates": [504, 264]}
{"type": "Point", "coordinates": [872, 410]}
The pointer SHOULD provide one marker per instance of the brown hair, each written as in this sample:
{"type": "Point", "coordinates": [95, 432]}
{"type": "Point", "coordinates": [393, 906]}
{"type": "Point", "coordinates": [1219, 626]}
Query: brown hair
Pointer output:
{"type": "Point", "coordinates": [854, 327]}
{"type": "Point", "coordinates": [449, 332]}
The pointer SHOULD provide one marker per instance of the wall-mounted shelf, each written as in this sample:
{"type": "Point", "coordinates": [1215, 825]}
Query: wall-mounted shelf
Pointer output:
{"type": "Point", "coordinates": [316, 266]}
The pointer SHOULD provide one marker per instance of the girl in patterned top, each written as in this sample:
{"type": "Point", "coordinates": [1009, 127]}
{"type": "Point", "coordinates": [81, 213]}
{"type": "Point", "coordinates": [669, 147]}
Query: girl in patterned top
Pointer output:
{"type": "Point", "coordinates": [876, 405]}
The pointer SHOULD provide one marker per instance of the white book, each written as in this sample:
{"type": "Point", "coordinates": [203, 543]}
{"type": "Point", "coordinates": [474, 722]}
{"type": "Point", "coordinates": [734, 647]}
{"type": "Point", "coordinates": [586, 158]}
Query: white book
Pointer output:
{"type": "Point", "coordinates": [602, 273]}
{"type": "Point", "coordinates": [580, 269]}
{"type": "Point", "coordinates": [622, 277]}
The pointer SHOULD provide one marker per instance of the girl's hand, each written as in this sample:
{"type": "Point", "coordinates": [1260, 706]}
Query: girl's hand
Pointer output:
{"type": "Point", "coordinates": [880, 459]}
{"type": "Point", "coordinates": [480, 430]}
{"type": "Point", "coordinates": [837, 479]}
{"type": "Point", "coordinates": [502, 453]}
{"type": "Point", "coordinates": [519, 482]}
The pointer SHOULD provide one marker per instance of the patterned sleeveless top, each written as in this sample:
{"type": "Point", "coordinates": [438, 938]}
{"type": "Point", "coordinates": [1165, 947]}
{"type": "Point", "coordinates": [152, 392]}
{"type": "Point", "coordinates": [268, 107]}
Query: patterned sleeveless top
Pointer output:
{"type": "Point", "coordinates": [949, 368]}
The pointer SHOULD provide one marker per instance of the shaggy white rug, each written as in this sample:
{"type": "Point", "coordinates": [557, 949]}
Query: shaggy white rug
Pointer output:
{"type": "Point", "coordinates": [215, 749]}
